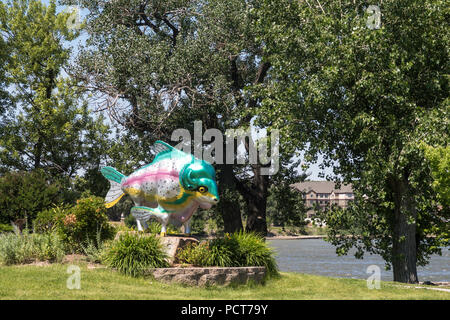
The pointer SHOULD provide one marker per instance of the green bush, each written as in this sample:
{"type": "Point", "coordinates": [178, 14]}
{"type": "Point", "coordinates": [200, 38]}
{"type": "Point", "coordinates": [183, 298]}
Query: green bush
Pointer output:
{"type": "Point", "coordinates": [130, 221]}
{"type": "Point", "coordinates": [207, 254]}
{"type": "Point", "coordinates": [155, 228]}
{"type": "Point", "coordinates": [95, 250]}
{"type": "Point", "coordinates": [236, 250]}
{"type": "Point", "coordinates": [6, 228]}
{"type": "Point", "coordinates": [24, 194]}
{"type": "Point", "coordinates": [196, 254]}
{"type": "Point", "coordinates": [132, 254]}
{"type": "Point", "coordinates": [198, 222]}
{"type": "Point", "coordinates": [153, 225]}
{"type": "Point", "coordinates": [26, 248]}
{"type": "Point", "coordinates": [80, 224]}
{"type": "Point", "coordinates": [252, 250]}
{"type": "Point", "coordinates": [46, 220]}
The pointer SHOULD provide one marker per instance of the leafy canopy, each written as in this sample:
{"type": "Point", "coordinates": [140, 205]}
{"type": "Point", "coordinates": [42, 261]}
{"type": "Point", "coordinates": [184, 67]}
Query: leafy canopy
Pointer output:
{"type": "Point", "coordinates": [50, 126]}
{"type": "Point", "coordinates": [365, 98]}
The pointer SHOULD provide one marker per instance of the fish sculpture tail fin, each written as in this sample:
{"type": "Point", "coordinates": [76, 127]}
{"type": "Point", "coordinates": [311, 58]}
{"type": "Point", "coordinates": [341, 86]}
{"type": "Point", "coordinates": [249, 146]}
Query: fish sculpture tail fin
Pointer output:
{"type": "Point", "coordinates": [115, 192]}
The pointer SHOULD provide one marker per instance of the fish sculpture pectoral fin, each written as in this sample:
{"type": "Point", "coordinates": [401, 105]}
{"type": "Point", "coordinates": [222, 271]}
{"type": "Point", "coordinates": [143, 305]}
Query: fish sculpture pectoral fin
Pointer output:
{"type": "Point", "coordinates": [143, 214]}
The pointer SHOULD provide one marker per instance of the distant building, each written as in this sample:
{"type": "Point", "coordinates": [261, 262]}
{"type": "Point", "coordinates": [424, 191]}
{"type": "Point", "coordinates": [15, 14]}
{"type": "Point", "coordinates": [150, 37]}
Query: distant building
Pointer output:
{"type": "Point", "coordinates": [324, 194]}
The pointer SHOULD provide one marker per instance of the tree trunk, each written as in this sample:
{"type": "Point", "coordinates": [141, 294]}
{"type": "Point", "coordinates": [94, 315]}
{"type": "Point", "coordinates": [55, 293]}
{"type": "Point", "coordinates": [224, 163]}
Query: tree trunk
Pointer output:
{"type": "Point", "coordinates": [38, 152]}
{"type": "Point", "coordinates": [404, 248]}
{"type": "Point", "coordinates": [257, 204]}
{"type": "Point", "coordinates": [229, 207]}
{"type": "Point", "coordinates": [39, 146]}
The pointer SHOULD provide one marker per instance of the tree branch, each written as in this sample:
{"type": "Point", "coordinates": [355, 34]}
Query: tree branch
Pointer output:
{"type": "Point", "coordinates": [147, 21]}
{"type": "Point", "coordinates": [174, 29]}
{"type": "Point", "coordinates": [260, 75]}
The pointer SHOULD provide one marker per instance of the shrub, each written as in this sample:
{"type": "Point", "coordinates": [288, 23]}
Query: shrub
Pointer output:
{"type": "Point", "coordinates": [198, 222]}
{"type": "Point", "coordinates": [46, 220]}
{"type": "Point", "coordinates": [132, 254]}
{"type": "Point", "coordinates": [153, 225]}
{"type": "Point", "coordinates": [196, 254]}
{"type": "Point", "coordinates": [130, 221]}
{"type": "Point", "coordinates": [25, 248]}
{"type": "Point", "coordinates": [24, 194]}
{"type": "Point", "coordinates": [79, 225]}
{"type": "Point", "coordinates": [236, 250]}
{"type": "Point", "coordinates": [6, 228]}
{"type": "Point", "coordinates": [252, 250]}
{"type": "Point", "coordinates": [95, 250]}
{"type": "Point", "coordinates": [155, 228]}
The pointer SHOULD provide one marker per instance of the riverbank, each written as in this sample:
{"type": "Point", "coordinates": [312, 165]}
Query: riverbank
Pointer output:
{"type": "Point", "coordinates": [295, 237]}
{"type": "Point", "coordinates": [49, 282]}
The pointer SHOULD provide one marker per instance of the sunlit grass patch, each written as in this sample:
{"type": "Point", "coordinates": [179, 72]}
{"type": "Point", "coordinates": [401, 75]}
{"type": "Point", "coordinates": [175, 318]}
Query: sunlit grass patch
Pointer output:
{"type": "Point", "coordinates": [49, 282]}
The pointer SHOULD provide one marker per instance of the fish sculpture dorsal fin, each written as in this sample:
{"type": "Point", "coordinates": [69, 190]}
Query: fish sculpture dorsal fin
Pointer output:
{"type": "Point", "coordinates": [160, 146]}
{"type": "Point", "coordinates": [163, 150]}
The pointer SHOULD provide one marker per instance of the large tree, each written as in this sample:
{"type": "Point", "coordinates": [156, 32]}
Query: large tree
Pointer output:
{"type": "Point", "coordinates": [50, 126]}
{"type": "Point", "coordinates": [161, 65]}
{"type": "Point", "coordinates": [362, 93]}
{"type": "Point", "coordinates": [4, 96]}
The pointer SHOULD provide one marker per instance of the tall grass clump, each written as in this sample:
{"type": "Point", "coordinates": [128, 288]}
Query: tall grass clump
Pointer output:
{"type": "Point", "coordinates": [153, 225]}
{"type": "Point", "coordinates": [206, 255]}
{"type": "Point", "coordinates": [252, 250]}
{"type": "Point", "coordinates": [6, 228]}
{"type": "Point", "coordinates": [95, 250]}
{"type": "Point", "coordinates": [18, 248]}
{"type": "Point", "coordinates": [241, 249]}
{"type": "Point", "coordinates": [132, 254]}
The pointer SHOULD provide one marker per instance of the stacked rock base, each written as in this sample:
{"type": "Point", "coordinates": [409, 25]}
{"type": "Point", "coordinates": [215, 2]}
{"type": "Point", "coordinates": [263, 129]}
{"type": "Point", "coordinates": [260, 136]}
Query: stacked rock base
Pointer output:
{"type": "Point", "coordinates": [198, 276]}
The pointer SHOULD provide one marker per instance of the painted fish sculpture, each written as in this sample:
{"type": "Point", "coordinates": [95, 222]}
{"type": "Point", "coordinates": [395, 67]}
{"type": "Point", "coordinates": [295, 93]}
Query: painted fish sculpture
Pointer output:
{"type": "Point", "coordinates": [170, 188]}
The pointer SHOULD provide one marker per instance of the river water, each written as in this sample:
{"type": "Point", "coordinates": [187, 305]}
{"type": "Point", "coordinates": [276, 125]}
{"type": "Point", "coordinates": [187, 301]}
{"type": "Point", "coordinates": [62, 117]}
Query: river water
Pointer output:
{"type": "Point", "coordinates": [316, 256]}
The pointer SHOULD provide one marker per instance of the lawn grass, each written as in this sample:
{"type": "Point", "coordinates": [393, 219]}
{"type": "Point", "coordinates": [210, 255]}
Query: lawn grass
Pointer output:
{"type": "Point", "coordinates": [49, 282]}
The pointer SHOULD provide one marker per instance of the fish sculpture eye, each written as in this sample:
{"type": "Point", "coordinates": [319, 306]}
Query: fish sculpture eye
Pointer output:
{"type": "Point", "coordinates": [202, 189]}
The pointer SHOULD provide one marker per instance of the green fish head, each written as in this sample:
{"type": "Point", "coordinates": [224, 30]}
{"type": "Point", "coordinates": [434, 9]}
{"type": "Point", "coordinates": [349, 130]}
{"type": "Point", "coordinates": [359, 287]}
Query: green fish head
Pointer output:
{"type": "Point", "coordinates": [200, 176]}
